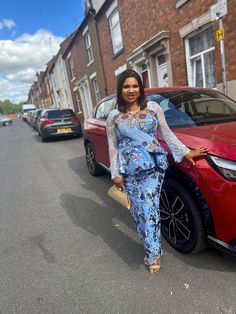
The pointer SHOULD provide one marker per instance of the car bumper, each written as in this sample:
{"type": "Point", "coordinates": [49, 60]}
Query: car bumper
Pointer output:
{"type": "Point", "coordinates": [62, 131]}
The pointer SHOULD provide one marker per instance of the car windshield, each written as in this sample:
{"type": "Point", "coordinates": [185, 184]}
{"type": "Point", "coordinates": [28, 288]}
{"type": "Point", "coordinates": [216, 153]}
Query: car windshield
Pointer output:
{"type": "Point", "coordinates": [187, 108]}
{"type": "Point", "coordinates": [57, 114]}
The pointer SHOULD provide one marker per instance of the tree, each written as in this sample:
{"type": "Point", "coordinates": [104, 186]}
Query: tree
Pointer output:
{"type": "Point", "coordinates": [7, 107]}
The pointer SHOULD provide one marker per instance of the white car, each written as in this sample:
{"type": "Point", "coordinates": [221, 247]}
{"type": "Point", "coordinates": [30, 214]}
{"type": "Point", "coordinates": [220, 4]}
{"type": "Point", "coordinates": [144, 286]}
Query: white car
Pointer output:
{"type": "Point", "coordinates": [5, 120]}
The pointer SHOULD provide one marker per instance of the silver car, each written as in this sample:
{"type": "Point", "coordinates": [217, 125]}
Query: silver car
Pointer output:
{"type": "Point", "coordinates": [5, 120]}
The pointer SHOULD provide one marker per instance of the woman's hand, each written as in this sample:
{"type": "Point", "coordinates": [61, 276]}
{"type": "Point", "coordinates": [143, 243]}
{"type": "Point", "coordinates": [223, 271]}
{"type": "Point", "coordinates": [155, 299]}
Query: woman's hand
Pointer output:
{"type": "Point", "coordinates": [119, 181]}
{"type": "Point", "coordinates": [200, 151]}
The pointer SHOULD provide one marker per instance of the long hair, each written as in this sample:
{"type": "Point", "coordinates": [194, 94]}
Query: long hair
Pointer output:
{"type": "Point", "coordinates": [120, 82]}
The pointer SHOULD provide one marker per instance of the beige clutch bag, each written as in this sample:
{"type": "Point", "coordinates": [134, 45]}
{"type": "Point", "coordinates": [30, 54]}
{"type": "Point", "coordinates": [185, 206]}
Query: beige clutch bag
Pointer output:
{"type": "Point", "coordinates": [120, 196]}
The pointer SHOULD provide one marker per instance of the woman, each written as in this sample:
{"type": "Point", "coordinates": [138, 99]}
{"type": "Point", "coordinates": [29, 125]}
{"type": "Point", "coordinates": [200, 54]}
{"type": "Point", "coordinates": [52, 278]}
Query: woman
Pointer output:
{"type": "Point", "coordinates": [137, 160]}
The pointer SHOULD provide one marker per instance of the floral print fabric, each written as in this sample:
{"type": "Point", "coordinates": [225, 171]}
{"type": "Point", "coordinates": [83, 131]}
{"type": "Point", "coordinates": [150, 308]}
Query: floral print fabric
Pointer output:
{"type": "Point", "coordinates": [144, 191]}
{"type": "Point", "coordinates": [124, 131]}
{"type": "Point", "coordinates": [136, 154]}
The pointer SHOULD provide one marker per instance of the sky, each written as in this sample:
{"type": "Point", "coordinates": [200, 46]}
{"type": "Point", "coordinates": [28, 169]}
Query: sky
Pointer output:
{"type": "Point", "coordinates": [30, 34]}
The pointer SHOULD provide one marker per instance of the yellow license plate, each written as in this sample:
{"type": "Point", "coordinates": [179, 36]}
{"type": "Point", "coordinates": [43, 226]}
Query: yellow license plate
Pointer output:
{"type": "Point", "coordinates": [66, 130]}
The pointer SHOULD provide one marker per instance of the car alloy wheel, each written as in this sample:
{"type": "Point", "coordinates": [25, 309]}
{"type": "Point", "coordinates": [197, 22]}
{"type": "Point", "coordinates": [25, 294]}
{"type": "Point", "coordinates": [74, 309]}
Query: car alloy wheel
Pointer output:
{"type": "Point", "coordinates": [7, 123]}
{"type": "Point", "coordinates": [181, 221]}
{"type": "Point", "coordinates": [94, 168]}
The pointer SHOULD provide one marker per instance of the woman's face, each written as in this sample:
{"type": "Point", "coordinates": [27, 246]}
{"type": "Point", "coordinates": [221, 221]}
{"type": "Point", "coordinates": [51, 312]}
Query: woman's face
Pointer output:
{"type": "Point", "coordinates": [130, 90]}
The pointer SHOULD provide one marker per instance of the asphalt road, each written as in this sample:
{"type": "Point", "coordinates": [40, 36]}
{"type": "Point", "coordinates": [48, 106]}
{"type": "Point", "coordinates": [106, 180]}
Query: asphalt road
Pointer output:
{"type": "Point", "coordinates": [65, 247]}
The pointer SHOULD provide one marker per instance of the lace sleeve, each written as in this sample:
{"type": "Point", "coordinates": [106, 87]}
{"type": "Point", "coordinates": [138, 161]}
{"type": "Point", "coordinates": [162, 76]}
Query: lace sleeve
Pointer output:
{"type": "Point", "coordinates": [112, 145]}
{"type": "Point", "coordinates": [178, 149]}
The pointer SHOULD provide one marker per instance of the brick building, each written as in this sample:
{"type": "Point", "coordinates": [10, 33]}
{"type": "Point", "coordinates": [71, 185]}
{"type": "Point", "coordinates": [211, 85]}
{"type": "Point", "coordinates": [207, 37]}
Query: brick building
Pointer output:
{"type": "Point", "coordinates": [84, 66]}
{"type": "Point", "coordinates": [167, 42]}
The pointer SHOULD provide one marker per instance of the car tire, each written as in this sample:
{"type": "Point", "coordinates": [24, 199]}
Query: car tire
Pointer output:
{"type": "Point", "coordinates": [44, 138]}
{"type": "Point", "coordinates": [94, 168]}
{"type": "Point", "coordinates": [181, 221]}
{"type": "Point", "coordinates": [6, 123]}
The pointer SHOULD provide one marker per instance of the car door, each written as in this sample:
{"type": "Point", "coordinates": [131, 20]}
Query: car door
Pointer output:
{"type": "Point", "coordinates": [97, 130]}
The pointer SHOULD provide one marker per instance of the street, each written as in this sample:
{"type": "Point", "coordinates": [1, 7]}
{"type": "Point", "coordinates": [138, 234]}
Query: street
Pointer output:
{"type": "Point", "coordinates": [66, 247]}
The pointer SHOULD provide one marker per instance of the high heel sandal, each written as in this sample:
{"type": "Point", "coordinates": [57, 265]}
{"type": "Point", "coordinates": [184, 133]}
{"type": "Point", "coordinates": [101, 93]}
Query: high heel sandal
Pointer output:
{"type": "Point", "coordinates": [154, 268]}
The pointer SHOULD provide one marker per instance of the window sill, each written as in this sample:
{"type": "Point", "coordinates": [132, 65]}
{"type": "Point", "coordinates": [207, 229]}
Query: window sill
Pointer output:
{"type": "Point", "coordinates": [91, 62]}
{"type": "Point", "coordinates": [118, 53]}
{"type": "Point", "coordinates": [180, 3]}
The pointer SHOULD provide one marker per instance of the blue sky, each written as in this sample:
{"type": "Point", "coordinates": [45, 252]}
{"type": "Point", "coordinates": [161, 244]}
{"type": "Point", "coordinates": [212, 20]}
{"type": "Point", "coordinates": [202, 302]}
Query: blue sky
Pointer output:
{"type": "Point", "coordinates": [30, 32]}
{"type": "Point", "coordinates": [59, 17]}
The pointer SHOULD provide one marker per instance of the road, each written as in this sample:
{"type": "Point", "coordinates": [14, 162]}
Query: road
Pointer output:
{"type": "Point", "coordinates": [67, 248]}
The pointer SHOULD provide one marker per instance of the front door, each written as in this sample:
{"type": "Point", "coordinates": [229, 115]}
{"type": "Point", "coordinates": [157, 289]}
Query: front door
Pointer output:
{"type": "Point", "coordinates": [86, 98]}
{"type": "Point", "coordinates": [162, 72]}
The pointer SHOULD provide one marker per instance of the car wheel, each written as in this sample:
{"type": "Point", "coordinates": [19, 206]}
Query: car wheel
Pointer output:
{"type": "Point", "coordinates": [6, 123]}
{"type": "Point", "coordinates": [44, 138]}
{"type": "Point", "coordinates": [94, 168]}
{"type": "Point", "coordinates": [181, 222]}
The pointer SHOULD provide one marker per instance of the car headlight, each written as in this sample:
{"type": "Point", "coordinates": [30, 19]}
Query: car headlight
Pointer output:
{"type": "Point", "coordinates": [226, 167]}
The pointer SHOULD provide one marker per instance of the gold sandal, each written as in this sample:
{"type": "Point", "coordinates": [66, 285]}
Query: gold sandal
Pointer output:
{"type": "Point", "coordinates": [154, 268]}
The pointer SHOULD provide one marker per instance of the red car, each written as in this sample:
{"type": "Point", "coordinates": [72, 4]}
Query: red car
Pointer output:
{"type": "Point", "coordinates": [198, 203]}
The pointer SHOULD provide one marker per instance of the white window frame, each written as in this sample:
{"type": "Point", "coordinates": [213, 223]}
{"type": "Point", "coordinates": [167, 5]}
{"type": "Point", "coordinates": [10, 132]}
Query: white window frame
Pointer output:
{"type": "Point", "coordinates": [110, 13]}
{"type": "Point", "coordinates": [96, 87]}
{"type": "Point", "coordinates": [78, 100]}
{"type": "Point", "coordinates": [72, 68]}
{"type": "Point", "coordinates": [88, 47]}
{"type": "Point", "coordinates": [192, 73]}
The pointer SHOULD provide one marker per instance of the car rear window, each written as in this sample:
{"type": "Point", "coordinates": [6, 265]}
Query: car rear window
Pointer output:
{"type": "Point", "coordinates": [57, 114]}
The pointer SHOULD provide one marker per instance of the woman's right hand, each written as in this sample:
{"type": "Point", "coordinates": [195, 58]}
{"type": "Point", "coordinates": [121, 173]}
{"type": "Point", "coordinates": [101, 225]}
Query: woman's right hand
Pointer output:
{"type": "Point", "coordinates": [119, 181]}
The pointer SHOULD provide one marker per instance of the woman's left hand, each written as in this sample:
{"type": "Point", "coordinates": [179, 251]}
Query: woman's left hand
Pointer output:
{"type": "Point", "coordinates": [200, 151]}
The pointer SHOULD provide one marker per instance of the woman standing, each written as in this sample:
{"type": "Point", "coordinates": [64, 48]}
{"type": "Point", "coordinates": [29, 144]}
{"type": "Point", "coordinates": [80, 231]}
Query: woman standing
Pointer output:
{"type": "Point", "coordinates": [138, 161]}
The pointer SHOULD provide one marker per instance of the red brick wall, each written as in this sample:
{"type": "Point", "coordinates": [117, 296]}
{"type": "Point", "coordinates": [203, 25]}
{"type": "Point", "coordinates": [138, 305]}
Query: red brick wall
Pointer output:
{"type": "Point", "coordinates": [140, 20]}
{"type": "Point", "coordinates": [80, 60]}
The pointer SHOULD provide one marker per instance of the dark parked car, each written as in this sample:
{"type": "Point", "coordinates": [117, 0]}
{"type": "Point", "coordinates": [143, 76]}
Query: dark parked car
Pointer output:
{"type": "Point", "coordinates": [198, 203]}
{"type": "Point", "coordinates": [4, 120]}
{"type": "Point", "coordinates": [58, 122]}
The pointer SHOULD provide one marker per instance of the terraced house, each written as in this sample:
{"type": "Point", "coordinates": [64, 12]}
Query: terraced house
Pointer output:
{"type": "Point", "coordinates": [168, 42]}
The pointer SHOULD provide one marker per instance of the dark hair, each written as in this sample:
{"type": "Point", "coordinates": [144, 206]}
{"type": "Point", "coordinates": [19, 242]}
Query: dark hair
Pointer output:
{"type": "Point", "coordinates": [120, 82]}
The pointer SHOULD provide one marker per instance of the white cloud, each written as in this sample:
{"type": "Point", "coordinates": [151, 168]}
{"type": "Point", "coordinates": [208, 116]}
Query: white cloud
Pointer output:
{"type": "Point", "coordinates": [4, 23]}
{"type": "Point", "coordinates": [21, 58]}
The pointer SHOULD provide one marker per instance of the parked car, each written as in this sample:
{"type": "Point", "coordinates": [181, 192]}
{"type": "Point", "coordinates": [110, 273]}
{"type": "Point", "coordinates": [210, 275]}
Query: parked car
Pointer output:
{"type": "Point", "coordinates": [25, 109]}
{"type": "Point", "coordinates": [29, 117]}
{"type": "Point", "coordinates": [58, 122]}
{"type": "Point", "coordinates": [4, 120]}
{"type": "Point", "coordinates": [35, 117]}
{"type": "Point", "coordinates": [198, 203]}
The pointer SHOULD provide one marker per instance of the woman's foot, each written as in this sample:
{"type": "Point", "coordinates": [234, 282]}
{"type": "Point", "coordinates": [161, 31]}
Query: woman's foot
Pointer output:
{"type": "Point", "coordinates": [154, 268]}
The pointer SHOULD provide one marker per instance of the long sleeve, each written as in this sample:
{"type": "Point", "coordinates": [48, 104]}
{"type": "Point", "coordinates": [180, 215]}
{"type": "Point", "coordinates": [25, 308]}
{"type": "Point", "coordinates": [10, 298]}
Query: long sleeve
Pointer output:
{"type": "Point", "coordinates": [113, 146]}
{"type": "Point", "coordinates": [178, 149]}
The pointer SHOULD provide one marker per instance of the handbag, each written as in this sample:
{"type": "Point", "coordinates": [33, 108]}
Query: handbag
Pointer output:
{"type": "Point", "coordinates": [119, 195]}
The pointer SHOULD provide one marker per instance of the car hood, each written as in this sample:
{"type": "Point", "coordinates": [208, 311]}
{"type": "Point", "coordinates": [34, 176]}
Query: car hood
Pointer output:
{"type": "Point", "coordinates": [219, 138]}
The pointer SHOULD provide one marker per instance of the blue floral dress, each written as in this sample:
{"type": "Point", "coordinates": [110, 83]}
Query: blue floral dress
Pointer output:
{"type": "Point", "coordinates": [136, 154]}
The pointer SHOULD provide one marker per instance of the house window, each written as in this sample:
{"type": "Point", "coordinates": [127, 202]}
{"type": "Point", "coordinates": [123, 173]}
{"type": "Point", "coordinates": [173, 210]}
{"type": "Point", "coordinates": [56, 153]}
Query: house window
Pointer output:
{"type": "Point", "coordinates": [88, 47]}
{"type": "Point", "coordinates": [114, 22]}
{"type": "Point", "coordinates": [201, 59]}
{"type": "Point", "coordinates": [144, 74]}
{"type": "Point", "coordinates": [72, 68]}
{"type": "Point", "coordinates": [96, 89]}
{"type": "Point", "coordinates": [78, 101]}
